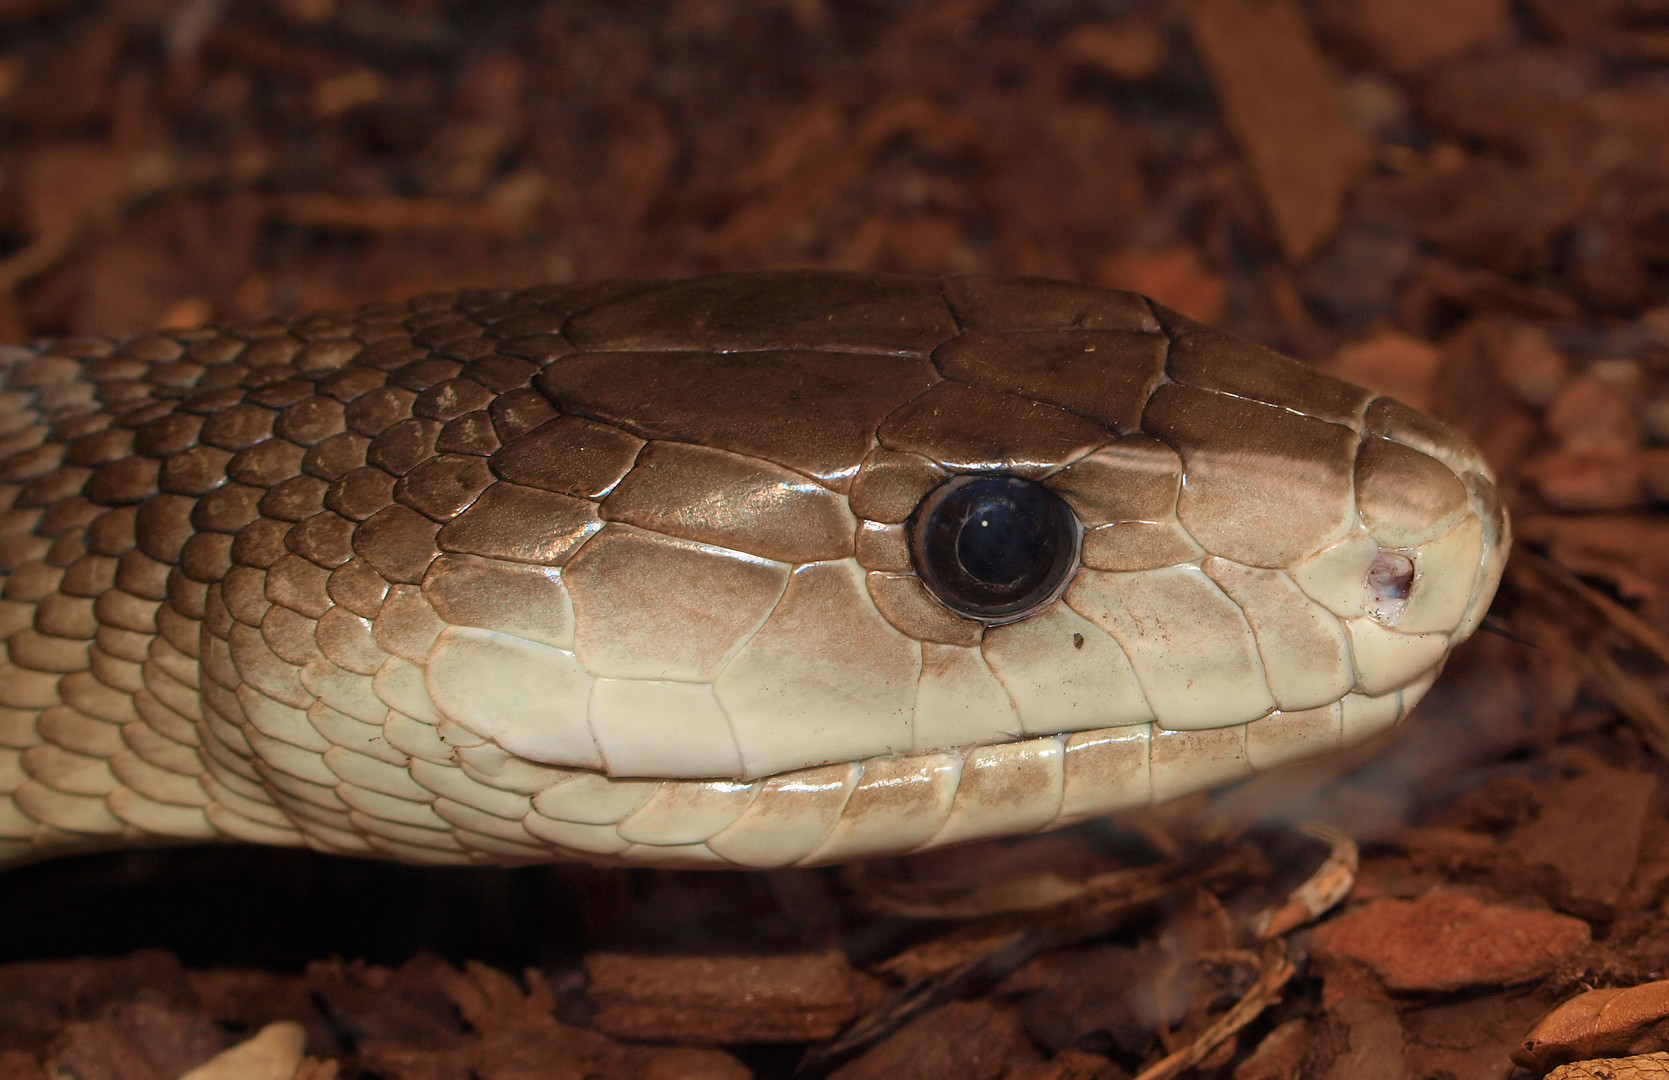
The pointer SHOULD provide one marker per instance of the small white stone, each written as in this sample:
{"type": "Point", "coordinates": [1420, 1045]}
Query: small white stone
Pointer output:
{"type": "Point", "coordinates": [273, 1053]}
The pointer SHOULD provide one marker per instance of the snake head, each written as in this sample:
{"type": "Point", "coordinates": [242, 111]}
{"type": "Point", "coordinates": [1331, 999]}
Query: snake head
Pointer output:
{"type": "Point", "coordinates": [753, 569]}
{"type": "Point", "coordinates": [1051, 552]}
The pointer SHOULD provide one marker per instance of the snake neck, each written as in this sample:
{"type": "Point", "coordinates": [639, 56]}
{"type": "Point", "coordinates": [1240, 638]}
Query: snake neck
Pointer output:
{"type": "Point", "coordinates": [104, 735]}
{"type": "Point", "coordinates": [210, 596]}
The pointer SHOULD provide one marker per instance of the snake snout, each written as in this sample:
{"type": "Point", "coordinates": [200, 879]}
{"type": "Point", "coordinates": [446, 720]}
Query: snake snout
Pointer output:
{"type": "Point", "coordinates": [1415, 573]}
{"type": "Point", "coordinates": [1425, 491]}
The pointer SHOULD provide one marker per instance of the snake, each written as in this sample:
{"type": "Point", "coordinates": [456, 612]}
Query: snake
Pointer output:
{"type": "Point", "coordinates": [755, 569]}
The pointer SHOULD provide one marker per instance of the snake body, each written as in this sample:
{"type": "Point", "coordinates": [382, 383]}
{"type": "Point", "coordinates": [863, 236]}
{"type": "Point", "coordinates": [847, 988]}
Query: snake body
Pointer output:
{"type": "Point", "coordinates": [623, 572]}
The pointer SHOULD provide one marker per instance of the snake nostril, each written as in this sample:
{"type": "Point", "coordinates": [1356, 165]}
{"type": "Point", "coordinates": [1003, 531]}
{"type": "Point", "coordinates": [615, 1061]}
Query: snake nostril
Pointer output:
{"type": "Point", "coordinates": [994, 548]}
{"type": "Point", "coordinates": [1390, 580]}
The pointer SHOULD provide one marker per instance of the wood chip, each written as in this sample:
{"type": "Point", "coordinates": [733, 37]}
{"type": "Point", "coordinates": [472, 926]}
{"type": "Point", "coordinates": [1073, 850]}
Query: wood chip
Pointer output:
{"type": "Point", "coordinates": [1589, 831]}
{"type": "Point", "coordinates": [1279, 98]}
{"type": "Point", "coordinates": [1625, 1020]}
{"type": "Point", "coordinates": [1644, 1067]}
{"type": "Point", "coordinates": [717, 1000]}
{"type": "Point", "coordinates": [970, 1040]}
{"type": "Point", "coordinates": [1408, 34]}
{"type": "Point", "coordinates": [1448, 940]}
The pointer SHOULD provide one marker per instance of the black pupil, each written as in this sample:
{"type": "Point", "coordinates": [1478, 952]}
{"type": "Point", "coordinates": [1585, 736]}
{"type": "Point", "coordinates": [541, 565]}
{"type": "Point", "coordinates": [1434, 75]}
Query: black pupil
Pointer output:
{"type": "Point", "coordinates": [999, 543]}
{"type": "Point", "coordinates": [993, 547]}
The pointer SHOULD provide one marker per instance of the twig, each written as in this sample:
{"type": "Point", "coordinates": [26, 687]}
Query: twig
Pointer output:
{"type": "Point", "coordinates": [1277, 971]}
{"type": "Point", "coordinates": [1627, 622]}
{"type": "Point", "coordinates": [381, 214]}
{"type": "Point", "coordinates": [1633, 698]}
{"type": "Point", "coordinates": [1012, 941]}
{"type": "Point", "coordinates": [1028, 894]}
{"type": "Point", "coordinates": [1320, 892]}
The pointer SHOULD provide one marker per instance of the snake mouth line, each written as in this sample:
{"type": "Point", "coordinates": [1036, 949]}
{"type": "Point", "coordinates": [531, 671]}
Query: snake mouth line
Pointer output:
{"type": "Point", "coordinates": [894, 804]}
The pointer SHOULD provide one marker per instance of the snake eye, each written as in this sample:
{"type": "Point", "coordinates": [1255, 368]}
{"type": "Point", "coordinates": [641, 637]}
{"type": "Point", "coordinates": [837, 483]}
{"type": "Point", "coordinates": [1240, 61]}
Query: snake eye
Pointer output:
{"type": "Point", "coordinates": [994, 548]}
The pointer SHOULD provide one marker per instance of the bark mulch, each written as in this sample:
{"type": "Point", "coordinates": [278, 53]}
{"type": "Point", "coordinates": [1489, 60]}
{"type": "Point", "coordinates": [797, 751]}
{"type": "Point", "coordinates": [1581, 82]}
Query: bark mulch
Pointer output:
{"type": "Point", "coordinates": [1464, 203]}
